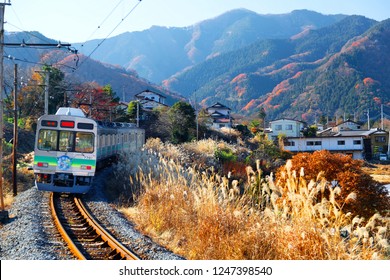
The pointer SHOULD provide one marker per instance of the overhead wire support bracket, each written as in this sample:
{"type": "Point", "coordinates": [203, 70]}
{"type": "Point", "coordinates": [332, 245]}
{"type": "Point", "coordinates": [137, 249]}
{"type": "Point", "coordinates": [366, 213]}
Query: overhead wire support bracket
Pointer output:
{"type": "Point", "coordinates": [24, 44]}
{"type": "Point", "coordinates": [58, 45]}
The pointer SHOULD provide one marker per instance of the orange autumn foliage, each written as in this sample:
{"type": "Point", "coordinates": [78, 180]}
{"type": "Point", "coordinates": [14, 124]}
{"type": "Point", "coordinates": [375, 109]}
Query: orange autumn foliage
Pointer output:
{"type": "Point", "coordinates": [368, 81]}
{"type": "Point", "coordinates": [371, 197]}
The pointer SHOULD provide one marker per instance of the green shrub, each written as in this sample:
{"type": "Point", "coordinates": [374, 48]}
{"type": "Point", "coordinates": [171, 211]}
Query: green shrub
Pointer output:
{"type": "Point", "coordinates": [225, 155]}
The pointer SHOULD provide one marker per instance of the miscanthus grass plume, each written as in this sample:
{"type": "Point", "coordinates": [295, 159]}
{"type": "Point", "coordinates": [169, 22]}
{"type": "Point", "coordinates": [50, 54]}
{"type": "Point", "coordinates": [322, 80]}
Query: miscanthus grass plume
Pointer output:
{"type": "Point", "coordinates": [205, 215]}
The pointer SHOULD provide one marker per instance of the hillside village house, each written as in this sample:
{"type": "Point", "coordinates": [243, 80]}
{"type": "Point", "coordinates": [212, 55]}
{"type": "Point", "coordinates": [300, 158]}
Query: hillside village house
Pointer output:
{"type": "Point", "coordinates": [220, 115]}
{"type": "Point", "coordinates": [346, 137]}
{"type": "Point", "coordinates": [150, 99]}
{"type": "Point", "coordinates": [285, 127]}
{"type": "Point", "coordinates": [375, 140]}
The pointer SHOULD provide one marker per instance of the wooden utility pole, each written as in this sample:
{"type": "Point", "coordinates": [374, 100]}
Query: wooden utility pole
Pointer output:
{"type": "Point", "coordinates": [15, 140]}
{"type": "Point", "coordinates": [47, 79]}
{"type": "Point", "coordinates": [3, 213]}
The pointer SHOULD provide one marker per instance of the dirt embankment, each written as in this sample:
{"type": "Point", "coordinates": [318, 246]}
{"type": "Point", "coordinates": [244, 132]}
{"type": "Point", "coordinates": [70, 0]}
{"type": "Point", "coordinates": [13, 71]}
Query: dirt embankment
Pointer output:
{"type": "Point", "coordinates": [379, 172]}
{"type": "Point", "coordinates": [26, 139]}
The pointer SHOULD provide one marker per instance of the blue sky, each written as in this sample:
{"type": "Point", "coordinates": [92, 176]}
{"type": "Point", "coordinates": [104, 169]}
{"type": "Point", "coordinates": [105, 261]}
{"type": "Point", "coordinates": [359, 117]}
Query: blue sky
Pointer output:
{"type": "Point", "coordinates": [81, 20]}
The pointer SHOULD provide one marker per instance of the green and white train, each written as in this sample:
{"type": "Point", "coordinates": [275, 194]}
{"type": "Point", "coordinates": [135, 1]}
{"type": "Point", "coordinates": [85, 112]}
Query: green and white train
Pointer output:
{"type": "Point", "coordinates": [70, 148]}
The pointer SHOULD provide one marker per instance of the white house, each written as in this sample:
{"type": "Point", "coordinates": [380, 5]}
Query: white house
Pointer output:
{"type": "Point", "coordinates": [375, 140]}
{"type": "Point", "coordinates": [220, 115]}
{"type": "Point", "coordinates": [149, 105]}
{"type": "Point", "coordinates": [150, 99]}
{"type": "Point", "coordinates": [347, 125]}
{"type": "Point", "coordinates": [286, 127]}
{"type": "Point", "coordinates": [351, 145]}
{"type": "Point", "coordinates": [360, 144]}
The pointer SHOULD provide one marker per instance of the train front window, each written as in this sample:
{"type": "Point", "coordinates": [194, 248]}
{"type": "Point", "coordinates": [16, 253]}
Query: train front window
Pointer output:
{"type": "Point", "coordinates": [47, 140]}
{"type": "Point", "coordinates": [84, 142]}
{"type": "Point", "coordinates": [66, 141]}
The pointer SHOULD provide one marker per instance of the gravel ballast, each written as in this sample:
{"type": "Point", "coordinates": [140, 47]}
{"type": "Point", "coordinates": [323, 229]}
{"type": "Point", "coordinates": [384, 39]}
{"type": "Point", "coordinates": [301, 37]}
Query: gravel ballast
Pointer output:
{"type": "Point", "coordinates": [31, 235]}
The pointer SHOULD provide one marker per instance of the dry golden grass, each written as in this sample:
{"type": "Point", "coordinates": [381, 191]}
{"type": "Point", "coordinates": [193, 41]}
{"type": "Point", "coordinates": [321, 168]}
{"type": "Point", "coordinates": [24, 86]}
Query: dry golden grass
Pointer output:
{"type": "Point", "coordinates": [8, 199]}
{"type": "Point", "coordinates": [205, 146]}
{"type": "Point", "coordinates": [25, 179]}
{"type": "Point", "coordinates": [202, 215]}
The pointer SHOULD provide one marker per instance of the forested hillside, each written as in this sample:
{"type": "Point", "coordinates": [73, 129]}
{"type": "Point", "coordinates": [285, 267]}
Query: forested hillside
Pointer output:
{"type": "Point", "coordinates": [160, 52]}
{"type": "Point", "coordinates": [339, 69]}
{"type": "Point", "coordinates": [76, 67]}
{"type": "Point", "coordinates": [300, 65]}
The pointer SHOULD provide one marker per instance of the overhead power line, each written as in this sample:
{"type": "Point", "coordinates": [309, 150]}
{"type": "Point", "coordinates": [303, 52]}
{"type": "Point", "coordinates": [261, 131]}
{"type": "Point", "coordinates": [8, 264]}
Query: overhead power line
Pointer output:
{"type": "Point", "coordinates": [42, 45]}
{"type": "Point", "coordinates": [104, 20]}
{"type": "Point", "coordinates": [36, 63]}
{"type": "Point", "coordinates": [109, 34]}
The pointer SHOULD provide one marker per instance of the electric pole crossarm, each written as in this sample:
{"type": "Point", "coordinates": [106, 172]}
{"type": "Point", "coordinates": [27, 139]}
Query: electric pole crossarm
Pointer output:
{"type": "Point", "coordinates": [59, 45]}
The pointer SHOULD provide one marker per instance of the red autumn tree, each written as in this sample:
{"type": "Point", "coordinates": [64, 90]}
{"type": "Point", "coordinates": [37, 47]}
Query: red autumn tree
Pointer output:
{"type": "Point", "coordinates": [371, 197]}
{"type": "Point", "coordinates": [97, 102]}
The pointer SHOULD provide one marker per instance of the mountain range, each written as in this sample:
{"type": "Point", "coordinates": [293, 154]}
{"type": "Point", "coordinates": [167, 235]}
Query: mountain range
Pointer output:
{"type": "Point", "coordinates": [336, 70]}
{"type": "Point", "coordinates": [298, 65]}
{"type": "Point", "coordinates": [160, 52]}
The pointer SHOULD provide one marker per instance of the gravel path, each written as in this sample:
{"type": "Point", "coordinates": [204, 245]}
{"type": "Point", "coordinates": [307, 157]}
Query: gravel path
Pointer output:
{"type": "Point", "coordinates": [30, 234]}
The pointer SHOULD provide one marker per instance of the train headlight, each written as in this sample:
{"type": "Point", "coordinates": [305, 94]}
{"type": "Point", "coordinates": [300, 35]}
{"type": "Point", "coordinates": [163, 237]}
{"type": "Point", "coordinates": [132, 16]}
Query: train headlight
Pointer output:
{"type": "Point", "coordinates": [43, 164]}
{"type": "Point", "coordinates": [86, 167]}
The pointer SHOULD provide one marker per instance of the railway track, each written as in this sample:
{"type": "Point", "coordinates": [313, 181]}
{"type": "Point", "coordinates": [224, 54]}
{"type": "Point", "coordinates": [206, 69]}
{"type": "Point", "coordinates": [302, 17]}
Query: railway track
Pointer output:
{"type": "Point", "coordinates": [85, 237]}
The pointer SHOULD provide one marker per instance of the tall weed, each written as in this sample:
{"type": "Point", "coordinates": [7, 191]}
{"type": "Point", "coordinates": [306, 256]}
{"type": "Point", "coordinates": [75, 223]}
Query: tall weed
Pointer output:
{"type": "Point", "coordinates": [203, 215]}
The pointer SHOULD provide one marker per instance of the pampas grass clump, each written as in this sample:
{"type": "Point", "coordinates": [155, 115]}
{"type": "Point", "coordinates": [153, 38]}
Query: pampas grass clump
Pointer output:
{"type": "Point", "coordinates": [203, 215]}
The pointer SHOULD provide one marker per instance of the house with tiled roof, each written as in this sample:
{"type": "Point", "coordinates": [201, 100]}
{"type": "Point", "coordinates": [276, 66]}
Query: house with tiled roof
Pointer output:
{"type": "Point", "coordinates": [347, 137]}
{"type": "Point", "coordinates": [150, 99]}
{"type": "Point", "coordinates": [220, 115]}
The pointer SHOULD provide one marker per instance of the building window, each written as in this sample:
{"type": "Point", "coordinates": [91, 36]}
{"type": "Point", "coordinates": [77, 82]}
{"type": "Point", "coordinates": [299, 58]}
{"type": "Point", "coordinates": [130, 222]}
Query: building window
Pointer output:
{"type": "Point", "coordinates": [289, 144]}
{"type": "Point", "coordinates": [313, 143]}
{"type": "Point", "coordinates": [341, 142]}
{"type": "Point", "coordinates": [357, 142]}
{"type": "Point", "coordinates": [289, 127]}
{"type": "Point", "coordinates": [380, 139]}
{"type": "Point", "coordinates": [278, 127]}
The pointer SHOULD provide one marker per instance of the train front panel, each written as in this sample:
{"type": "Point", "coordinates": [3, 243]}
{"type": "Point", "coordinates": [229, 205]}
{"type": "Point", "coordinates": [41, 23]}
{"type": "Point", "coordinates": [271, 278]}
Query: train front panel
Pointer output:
{"type": "Point", "coordinates": [65, 154]}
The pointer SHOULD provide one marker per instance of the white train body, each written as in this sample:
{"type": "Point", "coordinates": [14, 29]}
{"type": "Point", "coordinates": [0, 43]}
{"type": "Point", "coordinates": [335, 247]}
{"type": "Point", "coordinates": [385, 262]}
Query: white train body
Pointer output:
{"type": "Point", "coordinates": [69, 148]}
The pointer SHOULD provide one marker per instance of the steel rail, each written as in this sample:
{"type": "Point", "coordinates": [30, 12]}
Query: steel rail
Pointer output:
{"type": "Point", "coordinates": [107, 237]}
{"type": "Point", "coordinates": [73, 248]}
{"type": "Point", "coordinates": [118, 250]}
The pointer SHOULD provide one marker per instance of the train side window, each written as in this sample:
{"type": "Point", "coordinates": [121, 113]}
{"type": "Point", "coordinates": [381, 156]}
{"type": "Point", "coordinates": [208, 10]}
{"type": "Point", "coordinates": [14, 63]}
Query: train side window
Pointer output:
{"type": "Point", "coordinates": [47, 140]}
{"type": "Point", "coordinates": [84, 142]}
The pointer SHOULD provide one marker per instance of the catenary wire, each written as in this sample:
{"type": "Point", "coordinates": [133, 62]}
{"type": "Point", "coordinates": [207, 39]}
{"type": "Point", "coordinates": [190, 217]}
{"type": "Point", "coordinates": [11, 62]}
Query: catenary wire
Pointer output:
{"type": "Point", "coordinates": [103, 40]}
{"type": "Point", "coordinates": [101, 24]}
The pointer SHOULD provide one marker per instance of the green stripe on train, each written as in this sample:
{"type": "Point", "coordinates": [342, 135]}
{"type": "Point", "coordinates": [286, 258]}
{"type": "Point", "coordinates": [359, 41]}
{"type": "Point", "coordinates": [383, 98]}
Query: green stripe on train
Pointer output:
{"type": "Point", "coordinates": [75, 162]}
